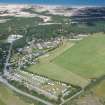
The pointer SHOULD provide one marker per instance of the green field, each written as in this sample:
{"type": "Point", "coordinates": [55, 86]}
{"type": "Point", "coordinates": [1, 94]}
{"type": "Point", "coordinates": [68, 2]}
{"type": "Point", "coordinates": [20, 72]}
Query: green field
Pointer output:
{"type": "Point", "coordinates": [2, 103]}
{"type": "Point", "coordinates": [74, 64]}
{"type": "Point", "coordinates": [99, 90]}
{"type": "Point", "coordinates": [86, 59]}
{"type": "Point", "coordinates": [49, 68]}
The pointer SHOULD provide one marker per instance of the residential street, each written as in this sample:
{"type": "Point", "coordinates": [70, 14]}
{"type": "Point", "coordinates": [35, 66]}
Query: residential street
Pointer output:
{"type": "Point", "coordinates": [15, 89]}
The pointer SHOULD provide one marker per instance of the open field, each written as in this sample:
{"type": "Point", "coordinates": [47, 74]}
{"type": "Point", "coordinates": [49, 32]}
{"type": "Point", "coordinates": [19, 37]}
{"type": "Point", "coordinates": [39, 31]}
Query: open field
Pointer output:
{"type": "Point", "coordinates": [86, 58]}
{"type": "Point", "coordinates": [86, 100]}
{"type": "Point", "coordinates": [2, 103]}
{"type": "Point", "coordinates": [93, 96]}
{"type": "Point", "coordinates": [99, 90]}
{"type": "Point", "coordinates": [74, 63]}
{"type": "Point", "coordinates": [8, 97]}
{"type": "Point", "coordinates": [49, 68]}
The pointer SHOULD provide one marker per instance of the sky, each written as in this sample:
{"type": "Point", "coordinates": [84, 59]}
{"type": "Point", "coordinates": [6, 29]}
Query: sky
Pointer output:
{"type": "Point", "coordinates": [66, 2]}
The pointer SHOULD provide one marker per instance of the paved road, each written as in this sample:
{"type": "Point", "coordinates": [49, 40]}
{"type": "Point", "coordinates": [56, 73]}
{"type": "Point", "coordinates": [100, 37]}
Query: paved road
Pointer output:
{"type": "Point", "coordinates": [8, 57]}
{"type": "Point", "coordinates": [23, 93]}
{"type": "Point", "coordinates": [14, 88]}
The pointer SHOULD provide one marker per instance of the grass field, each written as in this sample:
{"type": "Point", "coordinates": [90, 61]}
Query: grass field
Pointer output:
{"type": "Point", "coordinates": [86, 58]}
{"type": "Point", "coordinates": [74, 63]}
{"type": "Point", "coordinates": [1, 102]}
{"type": "Point", "coordinates": [99, 90]}
{"type": "Point", "coordinates": [49, 68]}
{"type": "Point", "coordinates": [8, 97]}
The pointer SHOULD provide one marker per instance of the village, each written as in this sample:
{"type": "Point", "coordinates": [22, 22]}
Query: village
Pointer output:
{"type": "Point", "coordinates": [27, 56]}
{"type": "Point", "coordinates": [42, 85]}
{"type": "Point", "coordinates": [52, 53]}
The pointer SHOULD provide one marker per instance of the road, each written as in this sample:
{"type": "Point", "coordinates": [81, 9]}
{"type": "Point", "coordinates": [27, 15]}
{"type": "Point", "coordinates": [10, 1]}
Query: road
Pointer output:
{"type": "Point", "coordinates": [8, 57]}
{"type": "Point", "coordinates": [4, 81]}
{"type": "Point", "coordinates": [75, 95]}
{"type": "Point", "coordinates": [23, 93]}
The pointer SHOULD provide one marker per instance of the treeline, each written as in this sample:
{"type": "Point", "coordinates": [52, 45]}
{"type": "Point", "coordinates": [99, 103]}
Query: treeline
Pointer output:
{"type": "Point", "coordinates": [29, 27]}
{"type": "Point", "coordinates": [45, 32]}
{"type": "Point", "coordinates": [56, 30]}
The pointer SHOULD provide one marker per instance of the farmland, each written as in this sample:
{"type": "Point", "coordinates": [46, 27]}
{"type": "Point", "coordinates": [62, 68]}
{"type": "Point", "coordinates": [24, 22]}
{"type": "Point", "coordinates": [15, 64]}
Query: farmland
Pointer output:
{"type": "Point", "coordinates": [49, 68]}
{"type": "Point", "coordinates": [1, 103]}
{"type": "Point", "coordinates": [76, 64]}
{"type": "Point", "coordinates": [99, 90]}
{"type": "Point", "coordinates": [95, 95]}
{"type": "Point", "coordinates": [86, 58]}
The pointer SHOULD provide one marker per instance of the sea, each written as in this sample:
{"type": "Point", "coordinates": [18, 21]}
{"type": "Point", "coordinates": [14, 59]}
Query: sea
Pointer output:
{"type": "Point", "coordinates": [58, 2]}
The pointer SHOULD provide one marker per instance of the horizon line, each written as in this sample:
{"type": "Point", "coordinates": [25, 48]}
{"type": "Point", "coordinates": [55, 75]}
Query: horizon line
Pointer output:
{"type": "Point", "coordinates": [45, 4]}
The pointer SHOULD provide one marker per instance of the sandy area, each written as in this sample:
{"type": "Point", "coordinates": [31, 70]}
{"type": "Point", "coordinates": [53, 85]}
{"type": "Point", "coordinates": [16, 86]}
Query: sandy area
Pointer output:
{"type": "Point", "coordinates": [16, 10]}
{"type": "Point", "coordinates": [55, 9]}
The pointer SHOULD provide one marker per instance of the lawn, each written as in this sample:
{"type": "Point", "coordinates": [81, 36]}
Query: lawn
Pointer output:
{"type": "Point", "coordinates": [86, 58]}
{"type": "Point", "coordinates": [49, 68]}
